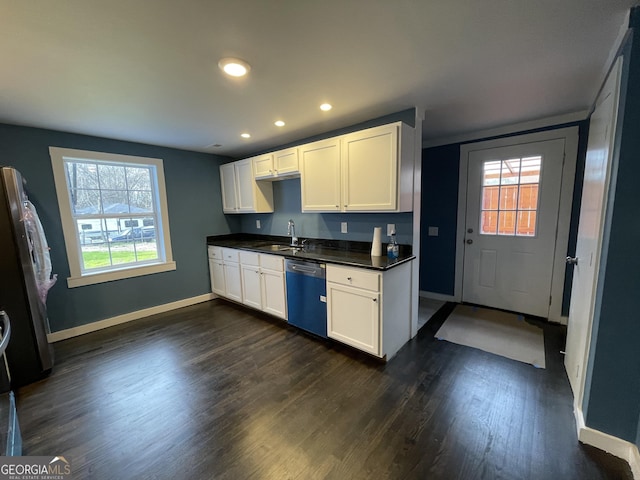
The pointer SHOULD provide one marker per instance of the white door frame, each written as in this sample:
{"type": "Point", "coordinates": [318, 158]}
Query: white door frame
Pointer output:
{"type": "Point", "coordinates": [570, 136]}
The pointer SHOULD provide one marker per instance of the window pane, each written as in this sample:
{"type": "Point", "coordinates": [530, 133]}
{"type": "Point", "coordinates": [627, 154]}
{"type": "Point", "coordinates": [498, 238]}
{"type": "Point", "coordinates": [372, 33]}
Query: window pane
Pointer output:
{"type": "Point", "coordinates": [510, 172]}
{"type": "Point", "coordinates": [531, 170]}
{"type": "Point", "coordinates": [527, 223]}
{"type": "Point", "coordinates": [112, 177]}
{"type": "Point", "coordinates": [85, 202]}
{"type": "Point", "coordinates": [489, 223]}
{"type": "Point", "coordinates": [491, 174]}
{"type": "Point", "coordinates": [146, 244]}
{"type": "Point", "coordinates": [528, 197]}
{"type": "Point", "coordinates": [508, 196]}
{"type": "Point", "coordinates": [490, 198]}
{"type": "Point", "coordinates": [140, 201]}
{"type": "Point", "coordinates": [115, 201]}
{"type": "Point", "coordinates": [123, 252]}
{"type": "Point", "coordinates": [507, 223]}
{"type": "Point", "coordinates": [82, 175]}
{"type": "Point", "coordinates": [138, 178]}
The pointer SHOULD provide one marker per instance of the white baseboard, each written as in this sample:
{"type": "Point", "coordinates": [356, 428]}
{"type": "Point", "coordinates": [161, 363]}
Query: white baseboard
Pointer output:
{"type": "Point", "coordinates": [126, 317]}
{"type": "Point", "coordinates": [610, 444]}
{"type": "Point", "coordinates": [437, 296]}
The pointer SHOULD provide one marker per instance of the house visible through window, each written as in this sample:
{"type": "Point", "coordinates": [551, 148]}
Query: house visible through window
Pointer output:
{"type": "Point", "coordinates": [510, 196]}
{"type": "Point", "coordinates": [113, 209]}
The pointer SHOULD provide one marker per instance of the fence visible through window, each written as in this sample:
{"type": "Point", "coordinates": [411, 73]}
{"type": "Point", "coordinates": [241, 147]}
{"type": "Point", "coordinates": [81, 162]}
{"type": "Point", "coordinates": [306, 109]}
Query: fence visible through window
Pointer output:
{"type": "Point", "coordinates": [510, 196]}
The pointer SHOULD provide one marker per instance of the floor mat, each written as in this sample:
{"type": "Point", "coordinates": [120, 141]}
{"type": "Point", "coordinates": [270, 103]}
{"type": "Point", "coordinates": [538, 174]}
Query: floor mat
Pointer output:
{"type": "Point", "coordinates": [493, 331]}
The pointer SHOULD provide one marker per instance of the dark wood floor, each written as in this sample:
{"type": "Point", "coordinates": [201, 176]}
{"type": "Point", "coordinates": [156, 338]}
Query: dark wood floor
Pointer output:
{"type": "Point", "coordinates": [218, 391]}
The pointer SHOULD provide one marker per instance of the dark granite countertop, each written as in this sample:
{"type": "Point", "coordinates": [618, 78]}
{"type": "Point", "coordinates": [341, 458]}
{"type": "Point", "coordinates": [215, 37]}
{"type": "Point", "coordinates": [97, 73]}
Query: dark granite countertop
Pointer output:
{"type": "Point", "coordinates": [341, 252]}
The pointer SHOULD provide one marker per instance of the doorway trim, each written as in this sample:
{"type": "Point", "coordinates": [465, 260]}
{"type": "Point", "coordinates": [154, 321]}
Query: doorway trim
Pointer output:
{"type": "Point", "coordinates": [570, 137]}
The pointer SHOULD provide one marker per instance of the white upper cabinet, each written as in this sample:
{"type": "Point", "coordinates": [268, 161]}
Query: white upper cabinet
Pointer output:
{"type": "Point", "coordinates": [286, 162]}
{"type": "Point", "coordinates": [276, 165]}
{"type": "Point", "coordinates": [370, 169]}
{"type": "Point", "coordinates": [263, 165]}
{"type": "Point", "coordinates": [366, 171]}
{"type": "Point", "coordinates": [241, 193]}
{"type": "Point", "coordinates": [228, 184]}
{"type": "Point", "coordinates": [320, 181]}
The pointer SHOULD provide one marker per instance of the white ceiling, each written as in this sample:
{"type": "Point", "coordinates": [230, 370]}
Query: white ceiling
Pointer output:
{"type": "Point", "coordinates": [147, 71]}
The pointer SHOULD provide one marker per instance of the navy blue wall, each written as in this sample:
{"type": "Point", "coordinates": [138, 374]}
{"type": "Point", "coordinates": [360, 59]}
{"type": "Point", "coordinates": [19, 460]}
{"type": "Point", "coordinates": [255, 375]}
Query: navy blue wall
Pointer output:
{"type": "Point", "coordinates": [195, 211]}
{"type": "Point", "coordinates": [287, 203]}
{"type": "Point", "coordinates": [439, 208]}
{"type": "Point", "coordinates": [612, 393]}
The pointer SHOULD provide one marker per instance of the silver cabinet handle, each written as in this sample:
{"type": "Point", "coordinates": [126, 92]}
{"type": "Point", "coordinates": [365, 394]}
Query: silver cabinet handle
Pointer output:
{"type": "Point", "coordinates": [572, 260]}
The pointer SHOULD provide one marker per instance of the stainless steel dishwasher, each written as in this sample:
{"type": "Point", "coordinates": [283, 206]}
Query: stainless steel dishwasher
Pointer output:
{"type": "Point", "coordinates": [307, 295]}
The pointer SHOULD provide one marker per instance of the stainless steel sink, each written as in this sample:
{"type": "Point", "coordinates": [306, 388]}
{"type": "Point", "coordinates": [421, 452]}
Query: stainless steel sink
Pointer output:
{"type": "Point", "coordinates": [279, 248]}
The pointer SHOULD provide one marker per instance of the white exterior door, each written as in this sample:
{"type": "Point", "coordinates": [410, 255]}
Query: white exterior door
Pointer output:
{"type": "Point", "coordinates": [588, 247]}
{"type": "Point", "coordinates": [513, 196]}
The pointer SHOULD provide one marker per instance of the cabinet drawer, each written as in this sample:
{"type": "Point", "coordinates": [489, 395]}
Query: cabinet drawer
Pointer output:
{"type": "Point", "coordinates": [249, 258]}
{"type": "Point", "coordinates": [354, 277]}
{"type": "Point", "coordinates": [214, 252]}
{"type": "Point", "coordinates": [272, 262]}
{"type": "Point", "coordinates": [230, 255]}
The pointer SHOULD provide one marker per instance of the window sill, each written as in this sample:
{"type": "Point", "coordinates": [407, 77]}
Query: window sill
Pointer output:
{"type": "Point", "coordinates": [129, 272]}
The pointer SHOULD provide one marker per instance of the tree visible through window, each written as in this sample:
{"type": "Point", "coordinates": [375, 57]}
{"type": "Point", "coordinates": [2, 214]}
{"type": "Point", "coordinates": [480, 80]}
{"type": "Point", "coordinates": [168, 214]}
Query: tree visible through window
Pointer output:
{"type": "Point", "coordinates": [114, 210]}
{"type": "Point", "coordinates": [111, 206]}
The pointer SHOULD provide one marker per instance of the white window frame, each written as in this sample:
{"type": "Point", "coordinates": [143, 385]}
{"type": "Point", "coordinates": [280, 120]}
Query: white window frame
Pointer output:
{"type": "Point", "coordinates": [79, 278]}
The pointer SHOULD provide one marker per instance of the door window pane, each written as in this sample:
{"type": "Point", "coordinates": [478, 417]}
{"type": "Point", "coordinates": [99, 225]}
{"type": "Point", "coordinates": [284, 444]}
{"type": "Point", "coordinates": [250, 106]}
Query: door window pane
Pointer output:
{"type": "Point", "coordinates": [510, 196]}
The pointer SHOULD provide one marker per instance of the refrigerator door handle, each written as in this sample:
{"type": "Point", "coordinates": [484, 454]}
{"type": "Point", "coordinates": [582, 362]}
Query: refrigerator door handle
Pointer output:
{"type": "Point", "coordinates": [6, 331]}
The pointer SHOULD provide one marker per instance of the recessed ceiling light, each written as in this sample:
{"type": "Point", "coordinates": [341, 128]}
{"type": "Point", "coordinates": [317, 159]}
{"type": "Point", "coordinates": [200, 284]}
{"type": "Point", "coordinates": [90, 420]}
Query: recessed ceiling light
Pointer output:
{"type": "Point", "coordinates": [234, 66]}
{"type": "Point", "coordinates": [245, 135]}
{"type": "Point", "coordinates": [325, 107]}
{"type": "Point", "coordinates": [279, 123]}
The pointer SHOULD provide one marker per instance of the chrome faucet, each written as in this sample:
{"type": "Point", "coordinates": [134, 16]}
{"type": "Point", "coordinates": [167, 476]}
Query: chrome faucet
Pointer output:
{"type": "Point", "coordinates": [291, 231]}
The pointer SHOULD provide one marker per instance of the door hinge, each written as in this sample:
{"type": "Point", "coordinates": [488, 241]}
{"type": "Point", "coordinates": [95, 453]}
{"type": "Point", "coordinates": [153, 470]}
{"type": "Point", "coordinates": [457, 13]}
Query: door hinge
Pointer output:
{"type": "Point", "coordinates": [550, 297]}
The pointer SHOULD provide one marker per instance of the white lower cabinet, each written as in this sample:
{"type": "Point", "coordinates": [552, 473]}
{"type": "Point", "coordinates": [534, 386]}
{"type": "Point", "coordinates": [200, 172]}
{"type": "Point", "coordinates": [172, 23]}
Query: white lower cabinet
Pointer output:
{"type": "Point", "coordinates": [216, 270]}
{"type": "Point", "coordinates": [353, 317]}
{"type": "Point", "coordinates": [233, 283]}
{"type": "Point", "coordinates": [368, 309]}
{"type": "Point", "coordinates": [274, 297]}
{"type": "Point", "coordinates": [257, 280]}
{"type": "Point", "coordinates": [251, 286]}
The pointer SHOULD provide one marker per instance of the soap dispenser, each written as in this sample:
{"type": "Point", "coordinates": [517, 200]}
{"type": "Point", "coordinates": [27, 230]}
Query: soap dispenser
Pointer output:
{"type": "Point", "coordinates": [393, 249]}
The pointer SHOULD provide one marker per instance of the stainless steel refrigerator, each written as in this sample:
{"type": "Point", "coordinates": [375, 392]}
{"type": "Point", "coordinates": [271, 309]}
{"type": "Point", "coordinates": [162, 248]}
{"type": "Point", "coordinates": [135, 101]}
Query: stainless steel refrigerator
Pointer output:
{"type": "Point", "coordinates": [29, 355]}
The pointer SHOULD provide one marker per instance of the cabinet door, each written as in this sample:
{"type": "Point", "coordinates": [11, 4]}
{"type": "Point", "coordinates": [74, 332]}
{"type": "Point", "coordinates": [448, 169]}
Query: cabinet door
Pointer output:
{"type": "Point", "coordinates": [320, 176]}
{"type": "Point", "coordinates": [251, 288]}
{"type": "Point", "coordinates": [286, 162]}
{"type": "Point", "coordinates": [228, 187]}
{"type": "Point", "coordinates": [263, 166]}
{"type": "Point", "coordinates": [246, 186]}
{"type": "Point", "coordinates": [216, 272]}
{"type": "Point", "coordinates": [370, 169]}
{"type": "Point", "coordinates": [353, 317]}
{"type": "Point", "coordinates": [233, 283]}
{"type": "Point", "coordinates": [273, 293]}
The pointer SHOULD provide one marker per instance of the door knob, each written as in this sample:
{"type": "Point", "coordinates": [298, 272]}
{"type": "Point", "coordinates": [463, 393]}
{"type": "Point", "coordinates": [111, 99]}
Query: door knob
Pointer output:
{"type": "Point", "coordinates": [469, 241]}
{"type": "Point", "coordinates": [572, 260]}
